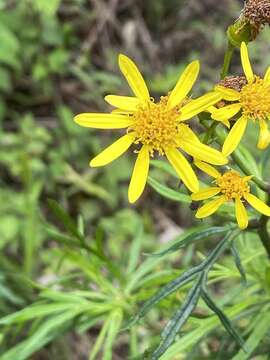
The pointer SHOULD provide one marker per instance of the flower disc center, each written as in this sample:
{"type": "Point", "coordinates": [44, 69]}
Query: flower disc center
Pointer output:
{"type": "Point", "coordinates": [255, 99]}
{"type": "Point", "coordinates": [156, 125]}
{"type": "Point", "coordinates": [232, 185]}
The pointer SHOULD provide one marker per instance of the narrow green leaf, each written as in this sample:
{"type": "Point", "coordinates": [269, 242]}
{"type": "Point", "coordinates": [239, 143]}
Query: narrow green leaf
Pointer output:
{"type": "Point", "coordinates": [203, 328]}
{"type": "Point", "coordinates": [165, 291]}
{"type": "Point", "coordinates": [224, 319]}
{"type": "Point", "coordinates": [115, 324]}
{"type": "Point", "coordinates": [168, 193]}
{"type": "Point", "coordinates": [165, 166]}
{"type": "Point", "coordinates": [100, 340]}
{"type": "Point", "coordinates": [175, 324]}
{"type": "Point", "coordinates": [189, 238]}
{"type": "Point", "coordinates": [35, 311]}
{"type": "Point", "coordinates": [213, 256]}
{"type": "Point", "coordinates": [65, 219]}
{"type": "Point", "coordinates": [238, 263]}
{"type": "Point", "coordinates": [48, 330]}
{"type": "Point", "coordinates": [135, 249]}
{"type": "Point", "coordinates": [255, 337]}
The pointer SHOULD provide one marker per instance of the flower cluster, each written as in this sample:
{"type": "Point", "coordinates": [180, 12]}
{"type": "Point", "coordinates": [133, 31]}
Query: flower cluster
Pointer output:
{"type": "Point", "coordinates": [162, 128]}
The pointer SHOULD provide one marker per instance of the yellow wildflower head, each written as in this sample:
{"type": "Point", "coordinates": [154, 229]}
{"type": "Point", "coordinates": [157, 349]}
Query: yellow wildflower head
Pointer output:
{"type": "Point", "coordinates": [230, 186]}
{"type": "Point", "coordinates": [156, 127]}
{"type": "Point", "coordinates": [252, 101]}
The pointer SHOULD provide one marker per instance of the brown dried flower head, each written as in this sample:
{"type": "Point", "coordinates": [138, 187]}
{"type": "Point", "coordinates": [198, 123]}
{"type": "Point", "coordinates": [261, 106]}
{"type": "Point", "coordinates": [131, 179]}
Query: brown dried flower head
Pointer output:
{"type": "Point", "coordinates": [257, 13]}
{"type": "Point", "coordinates": [234, 82]}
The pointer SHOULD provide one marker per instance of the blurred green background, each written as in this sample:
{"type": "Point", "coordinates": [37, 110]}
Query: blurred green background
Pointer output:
{"type": "Point", "coordinates": [59, 58]}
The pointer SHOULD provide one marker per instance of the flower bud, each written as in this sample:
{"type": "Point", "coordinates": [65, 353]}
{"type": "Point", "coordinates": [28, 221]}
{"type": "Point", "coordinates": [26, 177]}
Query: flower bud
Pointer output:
{"type": "Point", "coordinates": [254, 16]}
{"type": "Point", "coordinates": [238, 32]}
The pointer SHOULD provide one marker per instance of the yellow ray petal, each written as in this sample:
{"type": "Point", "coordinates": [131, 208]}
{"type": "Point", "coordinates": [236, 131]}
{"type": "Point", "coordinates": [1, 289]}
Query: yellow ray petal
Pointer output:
{"type": "Point", "coordinates": [133, 77]}
{"type": "Point", "coordinates": [123, 102]}
{"type": "Point", "coordinates": [226, 112]}
{"type": "Point", "coordinates": [235, 135]}
{"type": "Point", "coordinates": [103, 121]}
{"type": "Point", "coordinates": [246, 63]}
{"type": "Point", "coordinates": [123, 112]}
{"type": "Point", "coordinates": [113, 151]}
{"type": "Point", "coordinates": [211, 109]}
{"type": "Point", "coordinates": [205, 193]}
{"type": "Point", "coordinates": [210, 207]}
{"type": "Point", "coordinates": [198, 105]}
{"type": "Point", "coordinates": [228, 94]}
{"type": "Point", "coordinates": [264, 136]}
{"type": "Point", "coordinates": [203, 152]}
{"type": "Point", "coordinates": [183, 169]}
{"type": "Point", "coordinates": [241, 214]}
{"type": "Point", "coordinates": [258, 204]}
{"type": "Point", "coordinates": [267, 75]}
{"type": "Point", "coordinates": [139, 175]}
{"type": "Point", "coordinates": [187, 133]}
{"type": "Point", "coordinates": [208, 169]}
{"type": "Point", "coordinates": [184, 84]}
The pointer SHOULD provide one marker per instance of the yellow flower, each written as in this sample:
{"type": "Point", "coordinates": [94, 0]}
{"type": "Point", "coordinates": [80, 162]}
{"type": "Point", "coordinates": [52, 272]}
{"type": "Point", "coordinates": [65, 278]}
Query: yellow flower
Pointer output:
{"type": "Point", "coordinates": [230, 186]}
{"type": "Point", "coordinates": [253, 100]}
{"type": "Point", "coordinates": [158, 127]}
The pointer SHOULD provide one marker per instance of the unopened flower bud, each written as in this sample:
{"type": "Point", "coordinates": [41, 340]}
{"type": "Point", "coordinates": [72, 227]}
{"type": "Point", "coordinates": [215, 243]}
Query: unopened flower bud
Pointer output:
{"type": "Point", "coordinates": [238, 32]}
{"type": "Point", "coordinates": [254, 16]}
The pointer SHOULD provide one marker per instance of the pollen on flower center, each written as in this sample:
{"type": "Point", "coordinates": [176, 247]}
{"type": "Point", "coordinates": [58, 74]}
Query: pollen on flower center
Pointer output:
{"type": "Point", "coordinates": [232, 185]}
{"type": "Point", "coordinates": [255, 99]}
{"type": "Point", "coordinates": [156, 125]}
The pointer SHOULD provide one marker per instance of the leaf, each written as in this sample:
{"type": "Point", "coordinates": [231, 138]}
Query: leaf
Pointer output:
{"type": "Point", "coordinates": [48, 8]}
{"type": "Point", "coordinates": [100, 339]}
{"type": "Point", "coordinates": [5, 80]}
{"type": "Point", "coordinates": [255, 337]}
{"type": "Point", "coordinates": [135, 249]}
{"type": "Point", "coordinates": [213, 256]}
{"type": "Point", "coordinates": [165, 291]}
{"type": "Point", "coordinates": [224, 319]}
{"type": "Point", "coordinates": [65, 219]}
{"type": "Point", "coordinates": [238, 263]}
{"type": "Point", "coordinates": [189, 238]}
{"type": "Point", "coordinates": [203, 328]}
{"type": "Point", "coordinates": [35, 311]}
{"type": "Point", "coordinates": [165, 166]}
{"type": "Point", "coordinates": [46, 332]}
{"type": "Point", "coordinates": [167, 192]}
{"type": "Point", "coordinates": [115, 324]}
{"type": "Point", "coordinates": [175, 324]}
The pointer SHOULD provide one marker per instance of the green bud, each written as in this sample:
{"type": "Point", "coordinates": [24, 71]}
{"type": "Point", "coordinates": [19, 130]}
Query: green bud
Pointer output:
{"type": "Point", "coordinates": [238, 32]}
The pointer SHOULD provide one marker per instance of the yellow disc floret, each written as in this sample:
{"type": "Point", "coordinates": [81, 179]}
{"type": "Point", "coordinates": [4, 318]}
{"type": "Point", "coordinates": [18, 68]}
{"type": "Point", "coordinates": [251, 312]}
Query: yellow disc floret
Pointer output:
{"type": "Point", "coordinates": [232, 185]}
{"type": "Point", "coordinates": [255, 99]}
{"type": "Point", "coordinates": [156, 125]}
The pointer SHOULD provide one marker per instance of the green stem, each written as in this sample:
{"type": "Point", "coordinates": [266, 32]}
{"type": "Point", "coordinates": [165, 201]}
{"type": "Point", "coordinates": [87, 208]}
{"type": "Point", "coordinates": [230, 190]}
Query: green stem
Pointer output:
{"type": "Point", "coordinates": [263, 233]}
{"type": "Point", "coordinates": [227, 60]}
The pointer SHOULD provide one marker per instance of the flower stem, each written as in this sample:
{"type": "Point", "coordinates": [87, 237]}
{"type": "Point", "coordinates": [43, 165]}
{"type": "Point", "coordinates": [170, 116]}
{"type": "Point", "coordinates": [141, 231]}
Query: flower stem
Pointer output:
{"type": "Point", "coordinates": [227, 60]}
{"type": "Point", "coordinates": [263, 233]}
{"type": "Point", "coordinates": [242, 165]}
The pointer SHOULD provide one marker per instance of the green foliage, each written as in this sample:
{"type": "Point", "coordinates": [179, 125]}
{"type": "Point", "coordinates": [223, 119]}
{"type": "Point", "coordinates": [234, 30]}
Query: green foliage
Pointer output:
{"type": "Point", "coordinates": [105, 280]}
